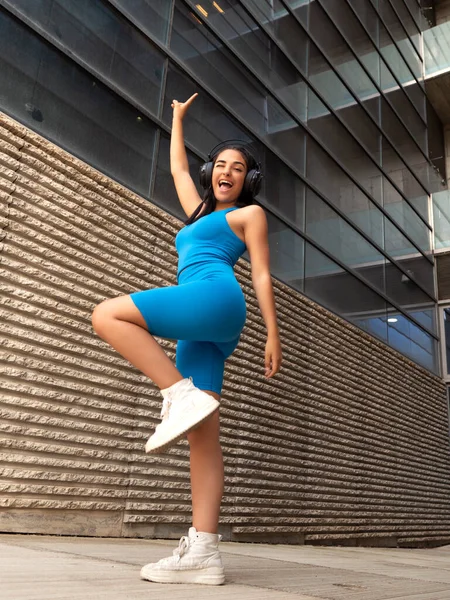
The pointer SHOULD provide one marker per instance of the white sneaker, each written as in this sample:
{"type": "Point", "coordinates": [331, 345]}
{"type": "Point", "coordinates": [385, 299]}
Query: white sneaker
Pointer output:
{"type": "Point", "coordinates": [196, 560]}
{"type": "Point", "coordinates": [184, 408]}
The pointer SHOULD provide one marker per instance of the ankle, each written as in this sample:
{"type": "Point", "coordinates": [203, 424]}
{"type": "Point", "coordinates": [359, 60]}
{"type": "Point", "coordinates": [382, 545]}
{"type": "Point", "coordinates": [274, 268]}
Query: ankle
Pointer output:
{"type": "Point", "coordinates": [173, 387]}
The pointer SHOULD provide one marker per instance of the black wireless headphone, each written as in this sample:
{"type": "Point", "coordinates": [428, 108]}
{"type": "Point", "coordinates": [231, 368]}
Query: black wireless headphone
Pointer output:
{"type": "Point", "coordinates": [253, 179]}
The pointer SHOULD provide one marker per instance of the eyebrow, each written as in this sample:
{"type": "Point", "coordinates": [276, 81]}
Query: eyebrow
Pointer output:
{"type": "Point", "coordinates": [236, 162]}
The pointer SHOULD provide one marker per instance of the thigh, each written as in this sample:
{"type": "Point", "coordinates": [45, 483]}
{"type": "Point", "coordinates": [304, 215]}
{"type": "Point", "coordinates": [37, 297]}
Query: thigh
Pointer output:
{"type": "Point", "coordinates": [122, 308]}
{"type": "Point", "coordinates": [197, 311]}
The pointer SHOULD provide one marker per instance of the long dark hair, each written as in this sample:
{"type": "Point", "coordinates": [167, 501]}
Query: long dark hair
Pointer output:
{"type": "Point", "coordinates": [209, 200]}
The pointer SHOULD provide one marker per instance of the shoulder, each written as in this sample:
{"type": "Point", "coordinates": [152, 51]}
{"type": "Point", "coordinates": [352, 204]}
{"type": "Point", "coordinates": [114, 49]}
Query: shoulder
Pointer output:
{"type": "Point", "coordinates": [252, 214]}
{"type": "Point", "coordinates": [253, 218]}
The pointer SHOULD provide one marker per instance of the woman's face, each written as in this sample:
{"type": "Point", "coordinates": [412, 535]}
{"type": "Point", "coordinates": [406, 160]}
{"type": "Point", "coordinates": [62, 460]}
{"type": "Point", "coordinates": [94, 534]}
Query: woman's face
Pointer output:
{"type": "Point", "coordinates": [228, 176]}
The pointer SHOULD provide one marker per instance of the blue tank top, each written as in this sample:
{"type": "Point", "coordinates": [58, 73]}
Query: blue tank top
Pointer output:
{"type": "Point", "coordinates": [209, 240]}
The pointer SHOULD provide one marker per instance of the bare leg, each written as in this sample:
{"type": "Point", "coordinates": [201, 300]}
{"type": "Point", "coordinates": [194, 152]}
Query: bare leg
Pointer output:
{"type": "Point", "coordinates": [207, 474]}
{"type": "Point", "coordinates": [119, 322]}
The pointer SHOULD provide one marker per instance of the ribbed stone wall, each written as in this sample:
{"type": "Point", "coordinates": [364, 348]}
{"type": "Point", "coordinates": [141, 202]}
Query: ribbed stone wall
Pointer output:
{"type": "Point", "coordinates": [348, 444]}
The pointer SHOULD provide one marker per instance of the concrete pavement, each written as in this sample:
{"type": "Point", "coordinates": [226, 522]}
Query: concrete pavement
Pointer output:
{"type": "Point", "coordinates": [68, 568]}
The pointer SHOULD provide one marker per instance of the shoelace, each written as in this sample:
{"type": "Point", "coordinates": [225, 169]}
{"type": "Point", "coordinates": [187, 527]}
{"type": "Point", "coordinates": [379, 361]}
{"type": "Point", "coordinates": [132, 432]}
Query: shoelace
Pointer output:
{"type": "Point", "coordinates": [167, 403]}
{"type": "Point", "coordinates": [165, 409]}
{"type": "Point", "coordinates": [183, 547]}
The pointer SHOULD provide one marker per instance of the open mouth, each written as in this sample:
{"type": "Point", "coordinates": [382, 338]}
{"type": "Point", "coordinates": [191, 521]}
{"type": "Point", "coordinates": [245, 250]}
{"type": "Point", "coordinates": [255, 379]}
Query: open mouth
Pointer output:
{"type": "Point", "coordinates": [225, 185]}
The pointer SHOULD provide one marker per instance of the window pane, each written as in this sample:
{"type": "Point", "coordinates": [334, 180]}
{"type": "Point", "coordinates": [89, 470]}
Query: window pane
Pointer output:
{"type": "Point", "coordinates": [164, 193]}
{"type": "Point", "coordinates": [403, 214]}
{"type": "Point", "coordinates": [49, 93]}
{"type": "Point", "coordinates": [404, 110]}
{"type": "Point", "coordinates": [410, 340]}
{"type": "Point", "coordinates": [447, 336]}
{"type": "Point", "coordinates": [392, 23]}
{"type": "Point", "coordinates": [212, 63]}
{"type": "Point", "coordinates": [406, 254]}
{"type": "Point", "coordinates": [93, 32]}
{"type": "Point", "coordinates": [441, 212]}
{"type": "Point", "coordinates": [336, 236]}
{"type": "Point", "coordinates": [257, 49]}
{"type": "Point", "coordinates": [398, 65]}
{"type": "Point", "coordinates": [344, 194]}
{"type": "Point", "coordinates": [341, 292]}
{"type": "Point", "coordinates": [286, 253]}
{"type": "Point", "coordinates": [203, 53]}
{"type": "Point", "coordinates": [152, 15]}
{"type": "Point", "coordinates": [283, 26]}
{"type": "Point", "coordinates": [408, 296]}
{"type": "Point", "coordinates": [282, 189]}
{"type": "Point", "coordinates": [206, 124]}
{"type": "Point", "coordinates": [325, 32]}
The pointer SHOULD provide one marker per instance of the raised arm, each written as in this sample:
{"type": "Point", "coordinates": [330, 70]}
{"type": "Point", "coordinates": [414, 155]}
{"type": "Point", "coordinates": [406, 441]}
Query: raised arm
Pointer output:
{"type": "Point", "coordinates": [179, 166]}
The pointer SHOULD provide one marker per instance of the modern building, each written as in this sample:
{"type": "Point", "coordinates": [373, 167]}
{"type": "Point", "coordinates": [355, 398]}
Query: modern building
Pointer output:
{"type": "Point", "coordinates": [344, 103]}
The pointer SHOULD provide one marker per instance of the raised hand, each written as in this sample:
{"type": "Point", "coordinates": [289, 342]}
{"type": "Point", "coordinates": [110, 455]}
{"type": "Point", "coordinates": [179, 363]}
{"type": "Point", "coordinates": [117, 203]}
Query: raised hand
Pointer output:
{"type": "Point", "coordinates": [180, 108]}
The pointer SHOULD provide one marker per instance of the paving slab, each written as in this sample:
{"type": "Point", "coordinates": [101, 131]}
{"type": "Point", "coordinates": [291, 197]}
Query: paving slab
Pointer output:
{"type": "Point", "coordinates": [72, 568]}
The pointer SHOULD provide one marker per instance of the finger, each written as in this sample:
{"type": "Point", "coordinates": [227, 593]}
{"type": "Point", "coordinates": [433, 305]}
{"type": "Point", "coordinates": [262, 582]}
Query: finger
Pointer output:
{"type": "Point", "coordinates": [192, 98]}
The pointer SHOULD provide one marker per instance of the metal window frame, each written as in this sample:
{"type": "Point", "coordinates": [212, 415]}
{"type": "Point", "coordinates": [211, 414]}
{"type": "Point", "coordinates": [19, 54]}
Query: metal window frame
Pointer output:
{"type": "Point", "coordinates": [311, 185]}
{"type": "Point", "coordinates": [422, 85]}
{"type": "Point", "coordinates": [442, 305]}
{"type": "Point", "coordinates": [412, 16]}
{"type": "Point", "coordinates": [162, 126]}
{"type": "Point", "coordinates": [380, 91]}
{"type": "Point", "coordinates": [394, 185]}
{"type": "Point", "coordinates": [406, 31]}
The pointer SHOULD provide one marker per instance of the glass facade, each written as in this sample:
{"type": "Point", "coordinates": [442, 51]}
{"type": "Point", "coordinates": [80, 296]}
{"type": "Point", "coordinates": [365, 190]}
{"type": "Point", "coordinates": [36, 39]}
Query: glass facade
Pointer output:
{"type": "Point", "coordinates": [329, 94]}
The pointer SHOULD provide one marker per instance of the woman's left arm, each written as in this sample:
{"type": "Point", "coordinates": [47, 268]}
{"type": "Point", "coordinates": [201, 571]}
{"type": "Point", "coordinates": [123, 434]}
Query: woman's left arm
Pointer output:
{"type": "Point", "coordinates": [256, 240]}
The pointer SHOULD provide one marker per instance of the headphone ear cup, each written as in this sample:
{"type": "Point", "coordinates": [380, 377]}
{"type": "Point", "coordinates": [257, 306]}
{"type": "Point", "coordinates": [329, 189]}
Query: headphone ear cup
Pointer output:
{"type": "Point", "coordinates": [252, 183]}
{"type": "Point", "coordinates": [205, 174]}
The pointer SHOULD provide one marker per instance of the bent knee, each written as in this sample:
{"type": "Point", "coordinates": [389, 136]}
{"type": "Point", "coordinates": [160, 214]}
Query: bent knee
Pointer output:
{"type": "Point", "coordinates": [101, 315]}
{"type": "Point", "coordinates": [120, 309]}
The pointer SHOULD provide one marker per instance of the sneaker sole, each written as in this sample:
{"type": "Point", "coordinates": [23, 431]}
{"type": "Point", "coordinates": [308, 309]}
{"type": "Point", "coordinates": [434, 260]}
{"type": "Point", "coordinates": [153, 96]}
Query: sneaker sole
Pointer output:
{"type": "Point", "coordinates": [208, 576]}
{"type": "Point", "coordinates": [177, 436]}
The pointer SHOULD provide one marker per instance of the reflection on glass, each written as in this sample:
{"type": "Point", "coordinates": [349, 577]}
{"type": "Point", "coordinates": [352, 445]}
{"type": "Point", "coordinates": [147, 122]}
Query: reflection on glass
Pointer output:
{"type": "Point", "coordinates": [436, 43]}
{"type": "Point", "coordinates": [203, 53]}
{"type": "Point", "coordinates": [447, 337]}
{"type": "Point", "coordinates": [283, 26]}
{"type": "Point", "coordinates": [397, 32]}
{"type": "Point", "coordinates": [164, 192]}
{"type": "Point", "coordinates": [211, 62]}
{"type": "Point", "coordinates": [410, 340]}
{"type": "Point", "coordinates": [49, 93]}
{"type": "Point", "coordinates": [152, 15]}
{"type": "Point", "coordinates": [206, 123]}
{"type": "Point", "coordinates": [282, 189]}
{"type": "Point", "coordinates": [332, 44]}
{"type": "Point", "coordinates": [257, 49]}
{"type": "Point", "coordinates": [286, 253]}
{"type": "Point", "coordinates": [405, 216]}
{"type": "Point", "coordinates": [111, 46]}
{"type": "Point", "coordinates": [402, 290]}
{"type": "Point", "coordinates": [335, 235]}
{"type": "Point", "coordinates": [441, 213]}
{"type": "Point", "coordinates": [333, 287]}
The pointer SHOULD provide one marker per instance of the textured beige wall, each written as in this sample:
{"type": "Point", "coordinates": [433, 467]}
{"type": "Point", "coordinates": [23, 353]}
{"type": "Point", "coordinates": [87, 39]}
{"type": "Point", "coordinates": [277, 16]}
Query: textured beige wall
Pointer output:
{"type": "Point", "coordinates": [350, 443]}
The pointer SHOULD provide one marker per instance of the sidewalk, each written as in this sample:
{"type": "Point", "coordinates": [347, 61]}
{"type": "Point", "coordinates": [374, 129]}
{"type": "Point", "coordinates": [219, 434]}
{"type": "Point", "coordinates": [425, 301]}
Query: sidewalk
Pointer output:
{"type": "Point", "coordinates": [65, 568]}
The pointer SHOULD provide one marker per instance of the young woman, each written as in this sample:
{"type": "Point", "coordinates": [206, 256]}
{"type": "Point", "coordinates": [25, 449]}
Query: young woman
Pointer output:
{"type": "Point", "coordinates": [206, 313]}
